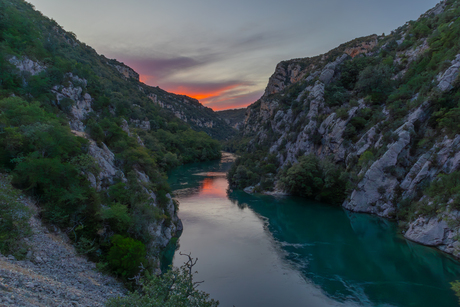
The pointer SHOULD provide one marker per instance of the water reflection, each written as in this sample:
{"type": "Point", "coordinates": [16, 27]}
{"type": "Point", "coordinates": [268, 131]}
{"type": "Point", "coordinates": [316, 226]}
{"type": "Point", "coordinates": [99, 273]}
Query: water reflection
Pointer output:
{"type": "Point", "coordinates": [265, 251]}
{"type": "Point", "coordinates": [355, 256]}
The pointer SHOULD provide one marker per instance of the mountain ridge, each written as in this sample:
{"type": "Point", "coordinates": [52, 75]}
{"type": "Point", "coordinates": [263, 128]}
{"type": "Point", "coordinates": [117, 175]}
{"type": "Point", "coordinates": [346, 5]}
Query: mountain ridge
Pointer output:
{"type": "Point", "coordinates": [368, 125]}
{"type": "Point", "coordinates": [88, 141]}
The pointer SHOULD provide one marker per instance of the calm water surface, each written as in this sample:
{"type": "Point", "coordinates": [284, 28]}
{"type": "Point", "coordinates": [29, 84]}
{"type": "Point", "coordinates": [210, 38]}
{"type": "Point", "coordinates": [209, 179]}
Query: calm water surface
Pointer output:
{"type": "Point", "coordinates": [257, 250]}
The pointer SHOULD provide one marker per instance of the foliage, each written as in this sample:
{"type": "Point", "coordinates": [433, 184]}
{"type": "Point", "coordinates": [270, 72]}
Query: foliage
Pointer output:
{"type": "Point", "coordinates": [51, 163]}
{"type": "Point", "coordinates": [175, 288]}
{"type": "Point", "coordinates": [316, 179]}
{"type": "Point", "coordinates": [126, 255]}
{"type": "Point", "coordinates": [41, 152]}
{"type": "Point", "coordinates": [117, 216]}
{"type": "Point", "coordinates": [14, 219]}
{"type": "Point", "coordinates": [375, 81]}
{"type": "Point", "coordinates": [456, 287]}
{"type": "Point", "coordinates": [446, 190]}
{"type": "Point", "coordinates": [336, 95]}
{"type": "Point", "coordinates": [248, 170]}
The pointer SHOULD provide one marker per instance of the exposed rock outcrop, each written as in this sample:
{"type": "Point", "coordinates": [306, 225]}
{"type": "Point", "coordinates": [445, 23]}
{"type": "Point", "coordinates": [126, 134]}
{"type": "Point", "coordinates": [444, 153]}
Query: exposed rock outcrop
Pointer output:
{"type": "Point", "coordinates": [105, 160]}
{"type": "Point", "coordinates": [448, 77]}
{"type": "Point", "coordinates": [82, 102]}
{"type": "Point", "coordinates": [27, 65]}
{"type": "Point", "coordinates": [441, 232]}
{"type": "Point", "coordinates": [362, 48]}
{"type": "Point", "coordinates": [127, 72]}
{"type": "Point", "coordinates": [390, 144]}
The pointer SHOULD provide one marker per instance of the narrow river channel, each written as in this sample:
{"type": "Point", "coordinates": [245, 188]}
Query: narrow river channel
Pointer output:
{"type": "Point", "coordinates": [258, 250]}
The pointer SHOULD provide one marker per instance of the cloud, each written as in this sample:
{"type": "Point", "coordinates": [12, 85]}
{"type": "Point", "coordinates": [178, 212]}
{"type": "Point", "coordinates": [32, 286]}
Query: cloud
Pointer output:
{"type": "Point", "coordinates": [162, 67]}
{"type": "Point", "coordinates": [205, 90]}
{"type": "Point", "coordinates": [216, 95]}
{"type": "Point", "coordinates": [237, 101]}
{"type": "Point", "coordinates": [234, 88]}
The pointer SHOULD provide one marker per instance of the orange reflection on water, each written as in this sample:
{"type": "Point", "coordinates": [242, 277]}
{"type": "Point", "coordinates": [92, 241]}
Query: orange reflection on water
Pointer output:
{"type": "Point", "coordinates": [214, 186]}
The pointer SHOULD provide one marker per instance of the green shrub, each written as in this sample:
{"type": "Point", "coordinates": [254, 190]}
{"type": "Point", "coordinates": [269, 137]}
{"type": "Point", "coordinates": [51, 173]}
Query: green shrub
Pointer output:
{"type": "Point", "coordinates": [456, 287]}
{"type": "Point", "coordinates": [376, 82]}
{"type": "Point", "coordinates": [14, 220]}
{"type": "Point", "coordinates": [126, 256]}
{"type": "Point", "coordinates": [118, 217]}
{"type": "Point", "coordinates": [175, 288]}
{"type": "Point", "coordinates": [316, 179]}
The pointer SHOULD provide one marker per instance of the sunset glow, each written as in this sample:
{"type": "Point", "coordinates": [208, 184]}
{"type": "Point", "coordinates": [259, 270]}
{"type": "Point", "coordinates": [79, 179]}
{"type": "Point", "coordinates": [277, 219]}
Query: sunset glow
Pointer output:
{"type": "Point", "coordinates": [213, 95]}
{"type": "Point", "coordinates": [212, 186]}
{"type": "Point", "coordinates": [202, 95]}
{"type": "Point", "coordinates": [223, 62]}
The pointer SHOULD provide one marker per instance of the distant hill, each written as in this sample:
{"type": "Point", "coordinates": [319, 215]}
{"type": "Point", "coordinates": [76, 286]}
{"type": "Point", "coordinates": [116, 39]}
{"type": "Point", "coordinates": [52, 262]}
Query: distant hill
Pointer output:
{"type": "Point", "coordinates": [233, 117]}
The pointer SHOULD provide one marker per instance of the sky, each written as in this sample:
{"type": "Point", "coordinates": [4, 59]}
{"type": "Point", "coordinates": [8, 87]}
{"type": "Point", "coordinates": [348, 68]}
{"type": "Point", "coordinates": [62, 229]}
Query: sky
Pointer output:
{"type": "Point", "coordinates": [222, 52]}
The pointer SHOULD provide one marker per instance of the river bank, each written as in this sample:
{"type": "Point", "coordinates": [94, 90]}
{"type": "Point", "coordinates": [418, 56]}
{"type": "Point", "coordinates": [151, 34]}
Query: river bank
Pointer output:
{"type": "Point", "coordinates": [300, 252]}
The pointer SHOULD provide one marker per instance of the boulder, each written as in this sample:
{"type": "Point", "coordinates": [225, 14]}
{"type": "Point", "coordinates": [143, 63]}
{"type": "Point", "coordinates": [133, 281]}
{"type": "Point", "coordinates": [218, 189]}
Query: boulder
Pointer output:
{"type": "Point", "coordinates": [427, 231]}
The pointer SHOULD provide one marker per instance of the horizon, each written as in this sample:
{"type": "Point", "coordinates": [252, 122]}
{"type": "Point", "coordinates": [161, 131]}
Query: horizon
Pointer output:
{"type": "Point", "coordinates": [208, 54]}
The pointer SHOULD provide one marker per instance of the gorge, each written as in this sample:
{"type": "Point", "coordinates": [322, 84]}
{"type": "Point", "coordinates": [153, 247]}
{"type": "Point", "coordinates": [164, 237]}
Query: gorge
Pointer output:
{"type": "Point", "coordinates": [258, 250]}
{"type": "Point", "coordinates": [121, 178]}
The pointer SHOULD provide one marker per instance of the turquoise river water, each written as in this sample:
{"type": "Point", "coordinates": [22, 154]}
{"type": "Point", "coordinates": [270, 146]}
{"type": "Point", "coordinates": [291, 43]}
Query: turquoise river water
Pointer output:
{"type": "Point", "coordinates": [258, 250]}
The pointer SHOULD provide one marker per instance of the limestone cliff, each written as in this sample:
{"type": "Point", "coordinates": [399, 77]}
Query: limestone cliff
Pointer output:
{"type": "Point", "coordinates": [93, 143]}
{"type": "Point", "coordinates": [376, 108]}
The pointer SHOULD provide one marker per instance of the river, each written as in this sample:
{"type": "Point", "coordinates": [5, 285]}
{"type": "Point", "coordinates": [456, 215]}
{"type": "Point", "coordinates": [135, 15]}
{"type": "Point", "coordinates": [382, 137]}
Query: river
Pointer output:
{"type": "Point", "coordinates": [259, 250]}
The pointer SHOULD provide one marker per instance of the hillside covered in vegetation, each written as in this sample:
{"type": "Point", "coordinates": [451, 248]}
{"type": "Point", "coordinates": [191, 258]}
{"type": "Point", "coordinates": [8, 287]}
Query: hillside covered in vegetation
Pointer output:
{"type": "Point", "coordinates": [81, 135]}
{"type": "Point", "coordinates": [372, 125]}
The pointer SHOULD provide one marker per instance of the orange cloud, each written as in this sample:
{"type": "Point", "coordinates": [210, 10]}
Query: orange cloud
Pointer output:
{"type": "Point", "coordinates": [202, 94]}
{"type": "Point", "coordinates": [217, 96]}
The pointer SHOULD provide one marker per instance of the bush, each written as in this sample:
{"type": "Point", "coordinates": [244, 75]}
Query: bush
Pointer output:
{"type": "Point", "coordinates": [456, 287]}
{"type": "Point", "coordinates": [375, 81]}
{"type": "Point", "coordinates": [175, 288]}
{"type": "Point", "coordinates": [316, 179]}
{"type": "Point", "coordinates": [14, 220]}
{"type": "Point", "coordinates": [126, 256]}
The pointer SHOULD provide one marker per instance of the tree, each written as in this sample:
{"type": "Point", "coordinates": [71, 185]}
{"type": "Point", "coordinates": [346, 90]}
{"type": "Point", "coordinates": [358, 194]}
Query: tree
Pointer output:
{"type": "Point", "coordinates": [126, 255]}
{"type": "Point", "coordinates": [175, 288]}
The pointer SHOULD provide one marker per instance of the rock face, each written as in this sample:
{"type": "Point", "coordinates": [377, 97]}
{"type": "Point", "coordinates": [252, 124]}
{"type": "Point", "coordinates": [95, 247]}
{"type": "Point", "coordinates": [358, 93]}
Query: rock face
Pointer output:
{"type": "Point", "coordinates": [362, 48]}
{"type": "Point", "coordinates": [127, 72]}
{"type": "Point", "coordinates": [393, 159]}
{"type": "Point", "coordinates": [437, 232]}
{"type": "Point", "coordinates": [371, 195]}
{"type": "Point", "coordinates": [105, 160]}
{"type": "Point", "coordinates": [27, 65]}
{"type": "Point", "coordinates": [234, 117]}
{"type": "Point", "coordinates": [160, 230]}
{"type": "Point", "coordinates": [82, 102]}
{"type": "Point", "coordinates": [448, 77]}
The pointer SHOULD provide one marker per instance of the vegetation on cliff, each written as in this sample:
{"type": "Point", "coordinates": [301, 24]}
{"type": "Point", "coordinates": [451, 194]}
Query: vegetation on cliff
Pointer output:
{"type": "Point", "coordinates": [101, 179]}
{"type": "Point", "coordinates": [382, 112]}
{"type": "Point", "coordinates": [175, 288]}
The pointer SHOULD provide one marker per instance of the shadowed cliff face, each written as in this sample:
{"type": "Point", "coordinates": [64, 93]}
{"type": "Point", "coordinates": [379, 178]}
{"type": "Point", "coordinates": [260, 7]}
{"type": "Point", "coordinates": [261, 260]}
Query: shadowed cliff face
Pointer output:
{"type": "Point", "coordinates": [381, 108]}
